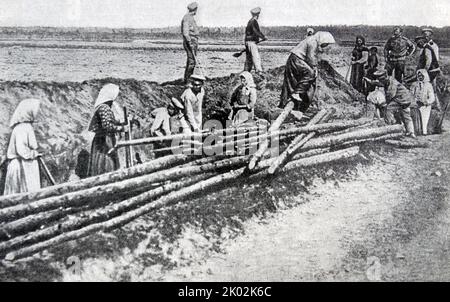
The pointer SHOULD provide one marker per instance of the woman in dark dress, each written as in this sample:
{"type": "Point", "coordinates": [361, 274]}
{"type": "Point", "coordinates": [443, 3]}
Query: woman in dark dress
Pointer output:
{"type": "Point", "coordinates": [372, 67]}
{"type": "Point", "coordinates": [360, 55]}
{"type": "Point", "coordinates": [105, 126]}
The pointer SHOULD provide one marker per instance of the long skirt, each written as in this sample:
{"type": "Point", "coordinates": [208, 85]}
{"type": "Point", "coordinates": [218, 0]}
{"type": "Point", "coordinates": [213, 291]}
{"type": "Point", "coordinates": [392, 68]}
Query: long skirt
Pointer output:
{"type": "Point", "coordinates": [22, 176]}
{"type": "Point", "coordinates": [357, 76]}
{"type": "Point", "coordinates": [100, 162]}
{"type": "Point", "coordinates": [299, 77]}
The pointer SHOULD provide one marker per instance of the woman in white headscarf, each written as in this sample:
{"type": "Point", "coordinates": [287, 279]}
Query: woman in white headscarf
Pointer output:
{"type": "Point", "coordinates": [424, 95]}
{"type": "Point", "coordinates": [243, 100]}
{"type": "Point", "coordinates": [301, 71]}
{"type": "Point", "coordinates": [23, 169]}
{"type": "Point", "coordinates": [104, 124]}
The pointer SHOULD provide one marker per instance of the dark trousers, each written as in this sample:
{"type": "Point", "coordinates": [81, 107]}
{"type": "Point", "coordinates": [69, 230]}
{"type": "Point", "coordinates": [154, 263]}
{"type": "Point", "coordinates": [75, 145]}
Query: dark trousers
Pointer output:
{"type": "Point", "coordinates": [299, 77]}
{"type": "Point", "coordinates": [396, 67]}
{"type": "Point", "coordinates": [191, 55]}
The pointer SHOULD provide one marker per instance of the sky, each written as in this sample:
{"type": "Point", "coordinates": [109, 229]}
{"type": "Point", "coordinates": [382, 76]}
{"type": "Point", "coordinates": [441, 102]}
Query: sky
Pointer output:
{"type": "Point", "coordinates": [162, 13]}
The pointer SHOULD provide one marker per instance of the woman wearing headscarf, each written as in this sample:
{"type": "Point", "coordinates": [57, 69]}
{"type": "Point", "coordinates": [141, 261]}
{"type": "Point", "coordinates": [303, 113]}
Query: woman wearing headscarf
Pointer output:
{"type": "Point", "coordinates": [301, 71]}
{"type": "Point", "coordinates": [360, 55]}
{"type": "Point", "coordinates": [23, 169]}
{"type": "Point", "coordinates": [243, 100]}
{"type": "Point", "coordinates": [104, 124]}
{"type": "Point", "coordinates": [424, 96]}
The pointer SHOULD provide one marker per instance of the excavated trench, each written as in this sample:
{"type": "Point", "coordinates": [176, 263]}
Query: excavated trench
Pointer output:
{"type": "Point", "coordinates": [67, 107]}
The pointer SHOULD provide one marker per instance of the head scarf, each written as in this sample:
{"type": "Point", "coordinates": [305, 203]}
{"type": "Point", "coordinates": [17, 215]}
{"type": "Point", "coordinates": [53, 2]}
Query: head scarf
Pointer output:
{"type": "Point", "coordinates": [25, 112]}
{"type": "Point", "coordinates": [108, 93]}
{"type": "Point", "coordinates": [425, 75]}
{"type": "Point", "coordinates": [324, 37]}
{"type": "Point", "coordinates": [359, 37]}
{"type": "Point", "coordinates": [249, 82]}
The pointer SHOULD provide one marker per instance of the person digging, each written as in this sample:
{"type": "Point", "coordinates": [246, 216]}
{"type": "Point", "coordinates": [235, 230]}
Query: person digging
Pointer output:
{"type": "Point", "coordinates": [301, 72]}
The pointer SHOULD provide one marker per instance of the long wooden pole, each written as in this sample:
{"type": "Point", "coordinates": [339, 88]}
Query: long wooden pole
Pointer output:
{"type": "Point", "coordinates": [97, 216]}
{"type": "Point", "coordinates": [298, 142]}
{"type": "Point", "coordinates": [265, 144]}
{"type": "Point", "coordinates": [83, 197]}
{"type": "Point", "coordinates": [119, 175]}
{"type": "Point", "coordinates": [171, 198]}
{"type": "Point", "coordinates": [331, 141]}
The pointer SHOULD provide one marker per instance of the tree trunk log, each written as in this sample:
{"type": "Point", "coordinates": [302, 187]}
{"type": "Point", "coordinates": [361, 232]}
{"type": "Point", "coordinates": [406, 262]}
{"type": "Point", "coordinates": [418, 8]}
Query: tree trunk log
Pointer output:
{"type": "Point", "coordinates": [122, 174]}
{"type": "Point", "coordinates": [166, 200]}
{"type": "Point", "coordinates": [298, 142]}
{"type": "Point", "coordinates": [96, 216]}
{"type": "Point", "coordinates": [265, 144]}
{"type": "Point", "coordinates": [331, 141]}
{"type": "Point", "coordinates": [83, 197]}
{"type": "Point", "coordinates": [406, 144]}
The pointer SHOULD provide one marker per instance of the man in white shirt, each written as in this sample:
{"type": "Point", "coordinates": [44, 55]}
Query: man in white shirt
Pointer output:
{"type": "Point", "coordinates": [192, 99]}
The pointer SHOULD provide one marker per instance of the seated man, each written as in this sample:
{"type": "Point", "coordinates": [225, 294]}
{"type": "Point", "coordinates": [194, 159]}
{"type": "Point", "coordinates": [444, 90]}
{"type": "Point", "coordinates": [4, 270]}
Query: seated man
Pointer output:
{"type": "Point", "coordinates": [398, 98]}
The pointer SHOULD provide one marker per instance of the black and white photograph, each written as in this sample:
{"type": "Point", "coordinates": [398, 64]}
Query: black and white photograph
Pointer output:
{"type": "Point", "coordinates": [224, 141]}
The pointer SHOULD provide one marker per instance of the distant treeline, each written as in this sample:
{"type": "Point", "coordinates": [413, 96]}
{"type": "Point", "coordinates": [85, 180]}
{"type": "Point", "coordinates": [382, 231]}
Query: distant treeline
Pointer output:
{"type": "Point", "coordinates": [344, 34]}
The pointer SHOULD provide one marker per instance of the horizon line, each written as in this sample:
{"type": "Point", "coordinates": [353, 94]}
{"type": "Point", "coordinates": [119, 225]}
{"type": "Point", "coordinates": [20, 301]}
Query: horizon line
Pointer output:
{"type": "Point", "coordinates": [243, 26]}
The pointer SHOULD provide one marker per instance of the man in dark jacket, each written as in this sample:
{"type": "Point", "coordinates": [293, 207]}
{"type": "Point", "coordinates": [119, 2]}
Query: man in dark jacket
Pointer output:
{"type": "Point", "coordinates": [428, 59]}
{"type": "Point", "coordinates": [253, 36]}
{"type": "Point", "coordinates": [396, 50]}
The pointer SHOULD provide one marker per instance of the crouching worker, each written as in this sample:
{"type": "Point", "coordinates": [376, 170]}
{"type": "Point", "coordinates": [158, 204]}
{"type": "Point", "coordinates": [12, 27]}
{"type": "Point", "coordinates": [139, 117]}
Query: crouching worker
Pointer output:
{"type": "Point", "coordinates": [378, 99]}
{"type": "Point", "coordinates": [243, 100]}
{"type": "Point", "coordinates": [398, 98]}
{"type": "Point", "coordinates": [424, 95]}
{"type": "Point", "coordinates": [105, 126]}
{"type": "Point", "coordinates": [167, 121]}
{"type": "Point", "coordinates": [23, 169]}
{"type": "Point", "coordinates": [301, 72]}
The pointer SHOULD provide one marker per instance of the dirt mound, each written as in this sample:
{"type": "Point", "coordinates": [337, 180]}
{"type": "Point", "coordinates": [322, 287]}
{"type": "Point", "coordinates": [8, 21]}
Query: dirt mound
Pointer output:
{"type": "Point", "coordinates": [67, 107]}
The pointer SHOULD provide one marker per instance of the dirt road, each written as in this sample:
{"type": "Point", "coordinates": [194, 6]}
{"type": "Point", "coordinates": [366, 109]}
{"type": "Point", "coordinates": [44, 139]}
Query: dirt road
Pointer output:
{"type": "Point", "coordinates": [390, 222]}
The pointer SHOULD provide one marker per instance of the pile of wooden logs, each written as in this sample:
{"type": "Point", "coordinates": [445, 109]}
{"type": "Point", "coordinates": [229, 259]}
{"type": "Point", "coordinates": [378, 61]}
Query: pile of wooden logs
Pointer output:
{"type": "Point", "coordinates": [33, 222]}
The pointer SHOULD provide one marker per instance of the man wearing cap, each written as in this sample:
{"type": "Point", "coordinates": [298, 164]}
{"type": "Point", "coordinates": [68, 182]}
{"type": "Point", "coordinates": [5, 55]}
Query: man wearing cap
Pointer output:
{"type": "Point", "coordinates": [428, 34]}
{"type": "Point", "coordinates": [398, 98]}
{"type": "Point", "coordinates": [192, 99]}
{"type": "Point", "coordinates": [396, 50]}
{"type": "Point", "coordinates": [168, 120]}
{"type": "Point", "coordinates": [427, 59]}
{"type": "Point", "coordinates": [190, 32]}
{"type": "Point", "coordinates": [253, 36]}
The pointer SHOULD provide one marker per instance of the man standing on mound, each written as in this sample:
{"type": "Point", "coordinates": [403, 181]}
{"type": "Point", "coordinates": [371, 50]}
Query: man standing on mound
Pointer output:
{"type": "Point", "coordinates": [253, 36]}
{"type": "Point", "coordinates": [301, 72]}
{"type": "Point", "coordinates": [190, 32]}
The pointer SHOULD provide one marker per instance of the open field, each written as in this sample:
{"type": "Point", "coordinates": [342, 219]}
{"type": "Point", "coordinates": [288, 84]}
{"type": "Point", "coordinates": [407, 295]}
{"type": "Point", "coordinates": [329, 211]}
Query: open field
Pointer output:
{"type": "Point", "coordinates": [159, 63]}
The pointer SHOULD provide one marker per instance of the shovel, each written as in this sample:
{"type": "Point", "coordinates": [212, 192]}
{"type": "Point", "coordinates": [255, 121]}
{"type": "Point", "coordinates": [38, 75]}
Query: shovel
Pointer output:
{"type": "Point", "coordinates": [238, 54]}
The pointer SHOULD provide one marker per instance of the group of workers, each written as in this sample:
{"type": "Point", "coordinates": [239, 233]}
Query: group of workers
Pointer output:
{"type": "Point", "coordinates": [184, 115]}
{"type": "Point", "coordinates": [387, 88]}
